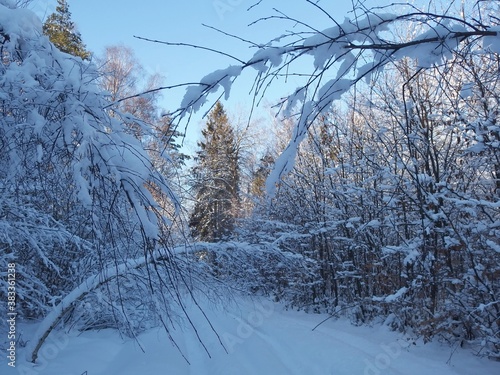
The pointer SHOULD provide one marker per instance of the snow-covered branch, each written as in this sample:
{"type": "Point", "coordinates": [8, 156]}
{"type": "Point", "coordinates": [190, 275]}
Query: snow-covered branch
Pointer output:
{"type": "Point", "coordinates": [67, 303]}
{"type": "Point", "coordinates": [350, 51]}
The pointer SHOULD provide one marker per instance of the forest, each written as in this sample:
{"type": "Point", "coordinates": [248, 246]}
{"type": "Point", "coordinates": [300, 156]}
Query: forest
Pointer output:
{"type": "Point", "coordinates": [371, 194]}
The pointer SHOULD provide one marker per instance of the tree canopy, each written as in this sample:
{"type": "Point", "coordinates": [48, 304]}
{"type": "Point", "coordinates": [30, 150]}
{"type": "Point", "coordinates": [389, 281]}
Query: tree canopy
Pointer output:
{"type": "Point", "coordinates": [62, 32]}
{"type": "Point", "coordinates": [216, 179]}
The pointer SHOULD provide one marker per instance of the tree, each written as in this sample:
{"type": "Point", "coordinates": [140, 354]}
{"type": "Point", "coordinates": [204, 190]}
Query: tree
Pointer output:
{"type": "Point", "coordinates": [216, 179]}
{"type": "Point", "coordinates": [131, 90]}
{"type": "Point", "coordinates": [62, 32]}
{"type": "Point", "coordinates": [75, 195]}
{"type": "Point", "coordinates": [124, 79]}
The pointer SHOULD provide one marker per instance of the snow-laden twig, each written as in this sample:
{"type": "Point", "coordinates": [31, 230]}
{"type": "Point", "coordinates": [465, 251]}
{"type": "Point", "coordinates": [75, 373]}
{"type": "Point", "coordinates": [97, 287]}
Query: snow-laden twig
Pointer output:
{"type": "Point", "coordinates": [338, 51]}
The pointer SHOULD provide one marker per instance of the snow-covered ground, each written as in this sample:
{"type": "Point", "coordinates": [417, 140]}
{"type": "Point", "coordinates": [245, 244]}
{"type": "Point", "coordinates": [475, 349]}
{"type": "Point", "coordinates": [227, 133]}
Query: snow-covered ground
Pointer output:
{"type": "Point", "coordinates": [260, 338]}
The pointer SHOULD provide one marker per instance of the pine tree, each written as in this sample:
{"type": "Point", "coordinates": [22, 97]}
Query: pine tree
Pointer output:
{"type": "Point", "coordinates": [62, 33]}
{"type": "Point", "coordinates": [216, 182]}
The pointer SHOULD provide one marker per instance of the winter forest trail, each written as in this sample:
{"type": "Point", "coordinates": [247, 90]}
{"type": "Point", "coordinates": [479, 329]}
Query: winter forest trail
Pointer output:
{"type": "Point", "coordinates": [260, 337]}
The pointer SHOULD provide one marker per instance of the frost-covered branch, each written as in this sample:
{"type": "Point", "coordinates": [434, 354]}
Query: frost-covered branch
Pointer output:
{"type": "Point", "coordinates": [78, 191]}
{"type": "Point", "coordinates": [343, 55]}
{"type": "Point", "coordinates": [67, 303]}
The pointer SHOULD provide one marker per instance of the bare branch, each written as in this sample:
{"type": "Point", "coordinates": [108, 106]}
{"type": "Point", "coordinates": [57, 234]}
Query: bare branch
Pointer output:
{"type": "Point", "coordinates": [192, 46]}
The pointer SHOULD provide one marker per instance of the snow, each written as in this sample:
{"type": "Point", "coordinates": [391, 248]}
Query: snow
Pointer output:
{"type": "Point", "coordinates": [393, 297]}
{"type": "Point", "coordinates": [438, 46]}
{"type": "Point", "coordinates": [274, 55]}
{"type": "Point", "coordinates": [88, 285]}
{"type": "Point", "coordinates": [18, 21]}
{"type": "Point", "coordinates": [223, 78]}
{"type": "Point", "coordinates": [285, 162]}
{"type": "Point", "coordinates": [493, 245]}
{"type": "Point", "coordinates": [254, 337]}
{"type": "Point", "coordinates": [492, 43]}
{"type": "Point", "coordinates": [332, 90]}
{"type": "Point", "coordinates": [467, 90]}
{"type": "Point", "coordinates": [259, 337]}
{"type": "Point", "coordinates": [196, 96]}
{"type": "Point", "coordinates": [330, 44]}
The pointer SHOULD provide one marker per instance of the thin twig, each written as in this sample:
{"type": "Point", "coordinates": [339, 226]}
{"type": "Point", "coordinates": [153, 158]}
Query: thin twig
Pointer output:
{"type": "Point", "coordinates": [191, 46]}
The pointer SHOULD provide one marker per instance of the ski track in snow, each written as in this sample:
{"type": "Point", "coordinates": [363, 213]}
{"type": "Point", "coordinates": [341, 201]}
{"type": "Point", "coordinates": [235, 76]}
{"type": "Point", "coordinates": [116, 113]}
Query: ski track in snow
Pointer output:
{"type": "Point", "coordinates": [289, 363]}
{"type": "Point", "coordinates": [262, 339]}
{"type": "Point", "coordinates": [345, 340]}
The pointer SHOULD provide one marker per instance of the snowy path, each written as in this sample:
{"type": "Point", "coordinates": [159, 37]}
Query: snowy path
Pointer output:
{"type": "Point", "coordinates": [261, 338]}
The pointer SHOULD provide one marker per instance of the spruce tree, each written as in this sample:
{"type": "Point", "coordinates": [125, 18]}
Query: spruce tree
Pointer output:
{"type": "Point", "coordinates": [62, 33]}
{"type": "Point", "coordinates": [216, 182]}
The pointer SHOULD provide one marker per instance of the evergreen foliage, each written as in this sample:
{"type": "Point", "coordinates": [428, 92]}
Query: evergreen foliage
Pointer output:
{"type": "Point", "coordinates": [216, 179]}
{"type": "Point", "coordinates": [62, 33]}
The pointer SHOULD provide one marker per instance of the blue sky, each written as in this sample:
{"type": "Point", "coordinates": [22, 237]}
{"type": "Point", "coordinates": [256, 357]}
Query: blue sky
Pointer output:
{"type": "Point", "coordinates": [104, 23]}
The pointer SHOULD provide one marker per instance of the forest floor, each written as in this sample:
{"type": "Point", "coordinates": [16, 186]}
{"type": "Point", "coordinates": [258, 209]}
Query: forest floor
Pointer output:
{"type": "Point", "coordinates": [258, 337]}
